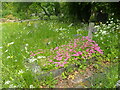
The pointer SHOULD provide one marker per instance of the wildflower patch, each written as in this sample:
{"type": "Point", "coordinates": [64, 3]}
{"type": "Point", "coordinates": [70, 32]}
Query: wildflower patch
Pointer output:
{"type": "Point", "coordinates": [71, 53]}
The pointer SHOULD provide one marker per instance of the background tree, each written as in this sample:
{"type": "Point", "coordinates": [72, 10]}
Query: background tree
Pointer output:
{"type": "Point", "coordinates": [67, 11]}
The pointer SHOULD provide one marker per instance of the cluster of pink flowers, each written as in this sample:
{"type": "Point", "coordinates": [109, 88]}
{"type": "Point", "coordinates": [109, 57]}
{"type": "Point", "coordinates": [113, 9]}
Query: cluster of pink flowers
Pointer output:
{"type": "Point", "coordinates": [80, 48]}
{"type": "Point", "coordinates": [39, 51]}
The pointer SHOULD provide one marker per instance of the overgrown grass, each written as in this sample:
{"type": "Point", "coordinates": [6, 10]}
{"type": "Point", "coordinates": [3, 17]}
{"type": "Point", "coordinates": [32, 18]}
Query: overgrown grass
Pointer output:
{"type": "Point", "coordinates": [108, 79]}
{"type": "Point", "coordinates": [21, 38]}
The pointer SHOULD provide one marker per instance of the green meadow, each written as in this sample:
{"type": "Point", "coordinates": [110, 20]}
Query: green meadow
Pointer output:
{"type": "Point", "coordinates": [20, 39]}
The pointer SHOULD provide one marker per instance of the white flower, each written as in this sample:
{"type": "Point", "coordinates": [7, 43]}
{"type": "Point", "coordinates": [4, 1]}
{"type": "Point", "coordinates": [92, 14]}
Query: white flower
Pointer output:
{"type": "Point", "coordinates": [101, 31]}
{"type": "Point", "coordinates": [96, 26]}
{"type": "Point", "coordinates": [31, 86]}
{"type": "Point", "coordinates": [1, 47]}
{"type": "Point", "coordinates": [26, 48]}
{"type": "Point", "coordinates": [111, 21]}
{"type": "Point", "coordinates": [117, 28]}
{"type": "Point", "coordinates": [109, 25]}
{"type": "Point", "coordinates": [61, 29]}
{"type": "Point", "coordinates": [32, 60]}
{"type": "Point", "coordinates": [16, 60]}
{"type": "Point", "coordinates": [101, 38]}
{"type": "Point", "coordinates": [96, 35]}
{"type": "Point", "coordinates": [56, 29]}
{"type": "Point", "coordinates": [6, 50]}
{"type": "Point", "coordinates": [104, 32]}
{"type": "Point", "coordinates": [12, 86]}
{"type": "Point", "coordinates": [39, 57]}
{"type": "Point", "coordinates": [107, 22]}
{"type": "Point", "coordinates": [20, 71]}
{"type": "Point", "coordinates": [10, 43]}
{"type": "Point", "coordinates": [48, 43]}
{"type": "Point", "coordinates": [117, 20]}
{"type": "Point", "coordinates": [7, 82]}
{"type": "Point", "coordinates": [70, 25]}
{"type": "Point", "coordinates": [26, 44]}
{"type": "Point", "coordinates": [8, 56]}
{"type": "Point", "coordinates": [60, 34]}
{"type": "Point", "coordinates": [78, 30]}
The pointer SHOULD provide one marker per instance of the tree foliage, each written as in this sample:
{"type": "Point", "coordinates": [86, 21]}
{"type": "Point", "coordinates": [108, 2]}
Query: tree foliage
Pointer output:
{"type": "Point", "coordinates": [74, 11]}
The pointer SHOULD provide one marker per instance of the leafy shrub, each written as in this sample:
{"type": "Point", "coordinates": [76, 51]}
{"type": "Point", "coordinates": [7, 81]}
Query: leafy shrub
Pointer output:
{"type": "Point", "coordinates": [107, 38]}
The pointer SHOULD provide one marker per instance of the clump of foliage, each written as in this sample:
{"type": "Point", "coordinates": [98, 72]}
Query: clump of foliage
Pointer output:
{"type": "Point", "coordinates": [107, 37]}
{"type": "Point", "coordinates": [72, 53]}
{"type": "Point", "coordinates": [107, 79]}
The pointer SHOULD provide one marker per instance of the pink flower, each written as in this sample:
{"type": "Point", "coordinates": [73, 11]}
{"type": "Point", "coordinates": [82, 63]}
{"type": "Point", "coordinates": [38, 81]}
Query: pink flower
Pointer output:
{"type": "Point", "coordinates": [54, 57]}
{"type": "Point", "coordinates": [50, 49]}
{"type": "Point", "coordinates": [58, 62]}
{"type": "Point", "coordinates": [44, 65]}
{"type": "Point", "coordinates": [101, 52]}
{"type": "Point", "coordinates": [59, 58]}
{"type": "Point", "coordinates": [67, 49]}
{"type": "Point", "coordinates": [70, 46]}
{"type": "Point", "coordinates": [96, 45]}
{"type": "Point", "coordinates": [67, 58]}
{"type": "Point", "coordinates": [92, 51]}
{"type": "Point", "coordinates": [61, 65]}
{"type": "Point", "coordinates": [97, 48]}
{"type": "Point", "coordinates": [74, 51]}
{"type": "Point", "coordinates": [63, 45]}
{"type": "Point", "coordinates": [75, 58]}
{"type": "Point", "coordinates": [56, 48]}
{"type": "Point", "coordinates": [66, 53]}
{"type": "Point", "coordinates": [80, 53]}
{"type": "Point", "coordinates": [32, 54]}
{"type": "Point", "coordinates": [39, 52]}
{"type": "Point", "coordinates": [75, 45]}
{"type": "Point", "coordinates": [56, 65]}
{"type": "Point", "coordinates": [83, 57]}
{"type": "Point", "coordinates": [55, 62]}
{"type": "Point", "coordinates": [50, 61]}
{"type": "Point", "coordinates": [70, 50]}
{"type": "Point", "coordinates": [59, 54]}
{"type": "Point", "coordinates": [87, 50]}
{"type": "Point", "coordinates": [64, 62]}
{"type": "Point", "coordinates": [76, 54]}
{"type": "Point", "coordinates": [87, 37]}
{"type": "Point", "coordinates": [90, 40]}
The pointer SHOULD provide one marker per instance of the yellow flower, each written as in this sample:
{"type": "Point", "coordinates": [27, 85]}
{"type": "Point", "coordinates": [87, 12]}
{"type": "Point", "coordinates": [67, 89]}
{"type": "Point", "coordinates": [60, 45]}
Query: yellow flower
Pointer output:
{"type": "Point", "coordinates": [8, 45]}
{"type": "Point", "coordinates": [11, 56]}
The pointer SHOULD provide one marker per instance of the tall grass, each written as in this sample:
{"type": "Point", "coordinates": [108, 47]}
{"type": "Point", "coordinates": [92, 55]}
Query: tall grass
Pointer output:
{"type": "Point", "coordinates": [19, 39]}
{"type": "Point", "coordinates": [108, 79]}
